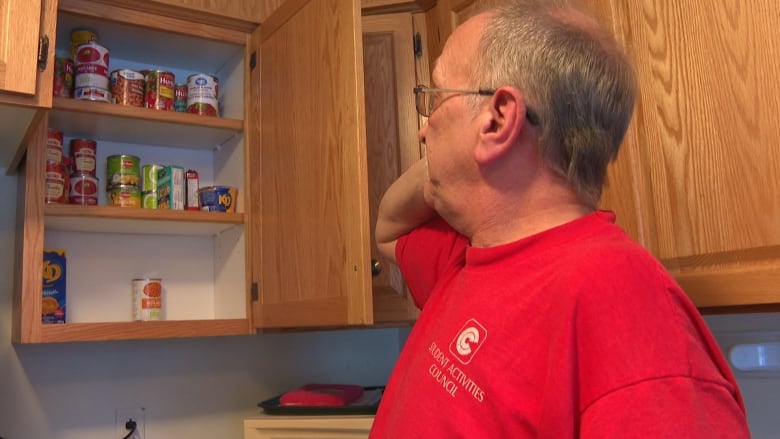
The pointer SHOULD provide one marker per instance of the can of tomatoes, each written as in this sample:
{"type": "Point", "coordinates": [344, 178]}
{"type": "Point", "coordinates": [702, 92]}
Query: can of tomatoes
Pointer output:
{"type": "Point", "coordinates": [83, 153]}
{"type": "Point", "coordinates": [180, 98]}
{"type": "Point", "coordinates": [91, 66]}
{"type": "Point", "coordinates": [147, 299]}
{"type": "Point", "coordinates": [83, 189]}
{"type": "Point", "coordinates": [203, 94]}
{"type": "Point", "coordinates": [159, 90]}
{"type": "Point", "coordinates": [63, 77]}
{"type": "Point", "coordinates": [54, 146]}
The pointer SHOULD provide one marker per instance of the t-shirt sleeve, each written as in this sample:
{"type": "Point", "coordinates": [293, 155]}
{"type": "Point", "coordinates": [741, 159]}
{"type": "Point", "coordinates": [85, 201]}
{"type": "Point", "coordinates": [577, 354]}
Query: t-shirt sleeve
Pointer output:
{"type": "Point", "coordinates": [427, 253]}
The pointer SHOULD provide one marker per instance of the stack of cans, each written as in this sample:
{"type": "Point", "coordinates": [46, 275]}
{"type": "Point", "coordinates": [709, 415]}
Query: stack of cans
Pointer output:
{"type": "Point", "coordinates": [149, 186]}
{"type": "Point", "coordinates": [123, 175]}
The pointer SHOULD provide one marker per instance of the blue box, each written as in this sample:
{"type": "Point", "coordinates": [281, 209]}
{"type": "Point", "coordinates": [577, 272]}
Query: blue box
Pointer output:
{"type": "Point", "coordinates": [53, 306]}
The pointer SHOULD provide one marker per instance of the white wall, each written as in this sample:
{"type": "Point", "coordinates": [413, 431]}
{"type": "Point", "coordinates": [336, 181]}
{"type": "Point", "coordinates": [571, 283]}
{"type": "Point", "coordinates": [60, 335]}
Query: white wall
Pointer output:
{"type": "Point", "coordinates": [193, 388]}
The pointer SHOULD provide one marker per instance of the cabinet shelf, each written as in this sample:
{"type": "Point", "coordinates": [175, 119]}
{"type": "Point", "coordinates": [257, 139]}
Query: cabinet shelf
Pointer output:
{"type": "Point", "coordinates": [110, 219]}
{"type": "Point", "coordinates": [142, 330]}
{"type": "Point", "coordinates": [143, 126]}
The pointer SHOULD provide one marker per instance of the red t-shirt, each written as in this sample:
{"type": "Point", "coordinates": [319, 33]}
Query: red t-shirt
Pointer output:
{"type": "Point", "coordinates": [575, 332]}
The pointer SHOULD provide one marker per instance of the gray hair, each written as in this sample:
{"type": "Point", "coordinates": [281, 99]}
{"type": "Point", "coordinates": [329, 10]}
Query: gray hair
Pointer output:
{"type": "Point", "coordinates": [574, 77]}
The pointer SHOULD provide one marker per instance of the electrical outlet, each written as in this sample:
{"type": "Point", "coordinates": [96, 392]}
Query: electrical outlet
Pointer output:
{"type": "Point", "coordinates": [123, 415]}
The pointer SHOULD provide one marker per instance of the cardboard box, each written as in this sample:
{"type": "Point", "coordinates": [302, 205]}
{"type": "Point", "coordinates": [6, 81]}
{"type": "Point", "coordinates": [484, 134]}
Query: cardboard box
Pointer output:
{"type": "Point", "coordinates": [170, 188]}
{"type": "Point", "coordinates": [53, 306]}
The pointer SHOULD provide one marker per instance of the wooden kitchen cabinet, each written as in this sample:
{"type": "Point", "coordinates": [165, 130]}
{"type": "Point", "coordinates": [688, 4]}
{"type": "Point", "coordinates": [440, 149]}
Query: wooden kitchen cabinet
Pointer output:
{"type": "Point", "coordinates": [202, 257]}
{"type": "Point", "coordinates": [698, 176]}
{"type": "Point", "coordinates": [314, 427]}
{"type": "Point", "coordinates": [698, 179]}
{"type": "Point", "coordinates": [319, 186]}
{"type": "Point", "coordinates": [297, 254]}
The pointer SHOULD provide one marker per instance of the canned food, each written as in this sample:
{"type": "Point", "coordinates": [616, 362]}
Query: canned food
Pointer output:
{"type": "Point", "coordinates": [83, 153]}
{"type": "Point", "coordinates": [122, 169]}
{"type": "Point", "coordinates": [55, 183]}
{"type": "Point", "coordinates": [79, 37]}
{"type": "Point", "coordinates": [63, 77]}
{"type": "Point", "coordinates": [91, 66]}
{"type": "Point", "coordinates": [83, 189]}
{"type": "Point", "coordinates": [159, 90]}
{"type": "Point", "coordinates": [54, 146]}
{"type": "Point", "coordinates": [203, 94]}
{"type": "Point", "coordinates": [127, 87]}
{"type": "Point", "coordinates": [92, 94]}
{"type": "Point", "coordinates": [124, 195]}
{"type": "Point", "coordinates": [149, 200]}
{"type": "Point", "coordinates": [218, 198]}
{"type": "Point", "coordinates": [147, 299]}
{"type": "Point", "coordinates": [149, 177]}
{"type": "Point", "coordinates": [180, 98]}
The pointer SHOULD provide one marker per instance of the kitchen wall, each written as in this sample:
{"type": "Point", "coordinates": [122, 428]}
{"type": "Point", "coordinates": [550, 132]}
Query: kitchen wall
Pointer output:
{"type": "Point", "coordinates": [203, 388]}
{"type": "Point", "coordinates": [194, 388]}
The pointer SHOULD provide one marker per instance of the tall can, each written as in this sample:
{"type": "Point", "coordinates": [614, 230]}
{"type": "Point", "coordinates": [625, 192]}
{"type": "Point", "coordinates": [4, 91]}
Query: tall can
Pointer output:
{"type": "Point", "coordinates": [83, 155]}
{"type": "Point", "coordinates": [54, 146]}
{"type": "Point", "coordinates": [91, 66]}
{"type": "Point", "coordinates": [147, 299]}
{"type": "Point", "coordinates": [203, 94]}
{"type": "Point", "coordinates": [159, 90]}
{"type": "Point", "coordinates": [63, 77]}
{"type": "Point", "coordinates": [180, 98]}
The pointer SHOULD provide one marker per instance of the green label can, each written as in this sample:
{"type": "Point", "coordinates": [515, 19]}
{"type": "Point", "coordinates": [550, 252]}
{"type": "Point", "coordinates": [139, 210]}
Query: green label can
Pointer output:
{"type": "Point", "coordinates": [122, 169]}
{"type": "Point", "coordinates": [149, 178]}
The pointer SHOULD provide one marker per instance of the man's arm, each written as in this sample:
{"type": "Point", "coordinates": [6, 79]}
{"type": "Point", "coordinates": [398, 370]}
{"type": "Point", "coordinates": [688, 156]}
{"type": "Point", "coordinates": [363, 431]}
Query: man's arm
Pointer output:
{"type": "Point", "coordinates": [402, 208]}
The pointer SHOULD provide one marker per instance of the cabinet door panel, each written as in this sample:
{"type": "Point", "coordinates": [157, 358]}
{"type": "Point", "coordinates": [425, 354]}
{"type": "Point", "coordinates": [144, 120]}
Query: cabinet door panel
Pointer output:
{"type": "Point", "coordinates": [702, 158]}
{"type": "Point", "coordinates": [19, 46]}
{"type": "Point", "coordinates": [313, 243]}
{"type": "Point", "coordinates": [393, 145]}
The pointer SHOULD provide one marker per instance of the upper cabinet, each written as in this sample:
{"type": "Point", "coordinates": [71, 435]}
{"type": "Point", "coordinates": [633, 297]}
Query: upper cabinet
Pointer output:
{"type": "Point", "coordinates": [291, 137]}
{"type": "Point", "coordinates": [698, 179]}
{"type": "Point", "coordinates": [698, 176]}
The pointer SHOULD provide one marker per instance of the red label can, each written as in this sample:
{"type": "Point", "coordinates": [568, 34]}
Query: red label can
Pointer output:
{"type": "Point", "coordinates": [83, 189]}
{"type": "Point", "coordinates": [159, 90]}
{"type": "Point", "coordinates": [83, 153]}
{"type": "Point", "coordinates": [63, 77]}
{"type": "Point", "coordinates": [54, 146]}
{"type": "Point", "coordinates": [55, 183]}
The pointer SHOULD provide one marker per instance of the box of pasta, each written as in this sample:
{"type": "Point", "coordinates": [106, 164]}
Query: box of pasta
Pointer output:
{"type": "Point", "coordinates": [53, 307]}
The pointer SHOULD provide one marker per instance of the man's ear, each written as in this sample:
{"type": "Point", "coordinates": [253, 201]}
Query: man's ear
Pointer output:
{"type": "Point", "coordinates": [502, 122]}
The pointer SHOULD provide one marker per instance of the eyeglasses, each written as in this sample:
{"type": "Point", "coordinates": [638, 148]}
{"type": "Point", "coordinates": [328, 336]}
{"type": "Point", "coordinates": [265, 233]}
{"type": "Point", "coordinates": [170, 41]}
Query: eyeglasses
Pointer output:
{"type": "Point", "coordinates": [426, 104]}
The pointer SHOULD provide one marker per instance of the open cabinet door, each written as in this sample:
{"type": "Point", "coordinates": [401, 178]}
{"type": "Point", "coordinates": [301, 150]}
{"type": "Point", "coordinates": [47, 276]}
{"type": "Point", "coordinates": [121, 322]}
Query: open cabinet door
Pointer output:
{"type": "Point", "coordinates": [310, 251]}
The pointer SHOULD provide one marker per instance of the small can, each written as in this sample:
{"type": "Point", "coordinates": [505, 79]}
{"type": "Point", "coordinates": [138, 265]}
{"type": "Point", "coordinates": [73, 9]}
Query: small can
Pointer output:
{"type": "Point", "coordinates": [180, 98]}
{"type": "Point", "coordinates": [149, 200]}
{"type": "Point", "coordinates": [79, 37]}
{"type": "Point", "coordinates": [91, 66]}
{"type": "Point", "coordinates": [55, 183]}
{"type": "Point", "coordinates": [192, 186]}
{"type": "Point", "coordinates": [124, 195]}
{"type": "Point", "coordinates": [122, 169]}
{"type": "Point", "coordinates": [54, 146]}
{"type": "Point", "coordinates": [203, 94]}
{"type": "Point", "coordinates": [147, 299]}
{"type": "Point", "coordinates": [159, 90]}
{"type": "Point", "coordinates": [83, 189]}
{"type": "Point", "coordinates": [127, 87]}
{"type": "Point", "coordinates": [149, 177]}
{"type": "Point", "coordinates": [92, 94]}
{"type": "Point", "coordinates": [83, 155]}
{"type": "Point", "coordinates": [63, 77]}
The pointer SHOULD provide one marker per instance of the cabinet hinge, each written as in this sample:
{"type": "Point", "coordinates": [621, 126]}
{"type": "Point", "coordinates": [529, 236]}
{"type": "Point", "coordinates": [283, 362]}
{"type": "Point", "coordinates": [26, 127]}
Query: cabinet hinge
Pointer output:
{"type": "Point", "coordinates": [418, 50]}
{"type": "Point", "coordinates": [253, 61]}
{"type": "Point", "coordinates": [43, 52]}
{"type": "Point", "coordinates": [254, 292]}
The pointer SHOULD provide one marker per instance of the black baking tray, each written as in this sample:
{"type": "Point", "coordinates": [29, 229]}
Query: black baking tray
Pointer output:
{"type": "Point", "coordinates": [272, 407]}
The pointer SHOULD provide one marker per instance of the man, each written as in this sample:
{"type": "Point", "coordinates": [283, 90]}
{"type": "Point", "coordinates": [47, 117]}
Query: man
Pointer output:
{"type": "Point", "coordinates": [540, 317]}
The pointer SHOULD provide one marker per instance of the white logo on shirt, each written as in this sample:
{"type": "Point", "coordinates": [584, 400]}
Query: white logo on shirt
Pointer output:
{"type": "Point", "coordinates": [468, 341]}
